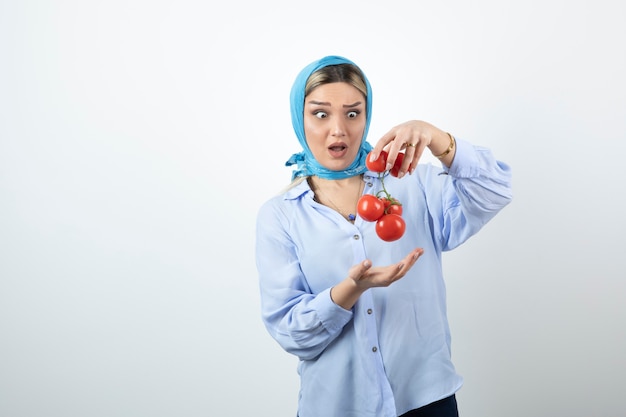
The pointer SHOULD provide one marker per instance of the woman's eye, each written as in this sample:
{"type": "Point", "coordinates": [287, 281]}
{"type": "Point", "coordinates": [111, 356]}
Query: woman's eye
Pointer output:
{"type": "Point", "coordinates": [352, 114]}
{"type": "Point", "coordinates": [320, 114]}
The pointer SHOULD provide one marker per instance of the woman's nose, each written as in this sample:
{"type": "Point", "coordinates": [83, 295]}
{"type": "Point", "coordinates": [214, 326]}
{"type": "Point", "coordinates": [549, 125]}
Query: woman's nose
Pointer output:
{"type": "Point", "coordinates": [338, 128]}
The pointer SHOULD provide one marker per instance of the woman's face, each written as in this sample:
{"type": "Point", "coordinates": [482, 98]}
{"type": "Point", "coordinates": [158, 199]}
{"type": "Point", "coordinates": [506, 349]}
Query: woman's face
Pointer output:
{"type": "Point", "coordinates": [334, 122]}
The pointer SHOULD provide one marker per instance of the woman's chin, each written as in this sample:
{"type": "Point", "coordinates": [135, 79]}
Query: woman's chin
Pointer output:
{"type": "Point", "coordinates": [338, 164]}
{"type": "Point", "coordinates": [334, 166]}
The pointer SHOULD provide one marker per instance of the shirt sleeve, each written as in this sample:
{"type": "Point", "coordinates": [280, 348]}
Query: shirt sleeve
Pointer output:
{"type": "Point", "coordinates": [301, 322]}
{"type": "Point", "coordinates": [478, 187]}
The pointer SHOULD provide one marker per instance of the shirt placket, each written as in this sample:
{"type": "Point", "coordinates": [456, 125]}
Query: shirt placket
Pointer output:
{"type": "Point", "coordinates": [365, 315]}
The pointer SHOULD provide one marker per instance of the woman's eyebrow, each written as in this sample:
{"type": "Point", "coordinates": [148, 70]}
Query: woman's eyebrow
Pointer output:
{"type": "Point", "coordinates": [325, 103]}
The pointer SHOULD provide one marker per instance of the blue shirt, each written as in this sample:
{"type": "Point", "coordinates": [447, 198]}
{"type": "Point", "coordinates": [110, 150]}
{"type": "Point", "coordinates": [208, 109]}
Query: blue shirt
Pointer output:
{"type": "Point", "coordinates": [391, 352]}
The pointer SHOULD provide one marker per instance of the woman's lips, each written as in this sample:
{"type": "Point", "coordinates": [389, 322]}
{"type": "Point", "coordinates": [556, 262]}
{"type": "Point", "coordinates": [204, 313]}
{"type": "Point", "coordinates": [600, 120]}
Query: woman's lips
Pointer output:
{"type": "Point", "coordinates": [337, 150]}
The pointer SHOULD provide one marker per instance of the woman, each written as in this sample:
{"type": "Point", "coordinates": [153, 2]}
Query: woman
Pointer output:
{"type": "Point", "coordinates": [367, 317]}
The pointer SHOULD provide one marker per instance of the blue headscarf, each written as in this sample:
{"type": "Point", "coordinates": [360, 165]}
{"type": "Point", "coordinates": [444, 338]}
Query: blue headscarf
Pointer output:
{"type": "Point", "coordinates": [306, 162]}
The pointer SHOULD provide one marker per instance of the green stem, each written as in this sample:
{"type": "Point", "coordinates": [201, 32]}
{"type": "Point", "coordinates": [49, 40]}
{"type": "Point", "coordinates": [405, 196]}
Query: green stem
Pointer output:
{"type": "Point", "coordinates": [381, 176]}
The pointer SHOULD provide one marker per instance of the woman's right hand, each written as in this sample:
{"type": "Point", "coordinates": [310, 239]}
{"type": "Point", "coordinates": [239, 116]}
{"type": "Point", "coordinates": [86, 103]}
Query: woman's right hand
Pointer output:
{"type": "Point", "coordinates": [363, 276]}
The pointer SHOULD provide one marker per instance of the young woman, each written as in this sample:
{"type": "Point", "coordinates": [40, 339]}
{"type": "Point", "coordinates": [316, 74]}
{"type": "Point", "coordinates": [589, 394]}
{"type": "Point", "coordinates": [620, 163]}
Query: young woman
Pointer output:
{"type": "Point", "coordinates": [367, 317]}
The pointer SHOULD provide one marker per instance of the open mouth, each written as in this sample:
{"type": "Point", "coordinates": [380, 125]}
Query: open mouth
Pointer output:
{"type": "Point", "coordinates": [337, 148]}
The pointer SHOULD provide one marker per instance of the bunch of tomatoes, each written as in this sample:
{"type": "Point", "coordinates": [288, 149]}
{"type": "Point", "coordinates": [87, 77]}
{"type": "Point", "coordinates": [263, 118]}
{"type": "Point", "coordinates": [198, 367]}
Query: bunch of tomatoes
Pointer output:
{"type": "Point", "coordinates": [382, 208]}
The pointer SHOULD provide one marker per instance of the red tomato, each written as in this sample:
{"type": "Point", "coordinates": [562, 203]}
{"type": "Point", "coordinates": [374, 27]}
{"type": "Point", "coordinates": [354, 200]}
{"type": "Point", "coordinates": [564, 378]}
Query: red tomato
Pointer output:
{"type": "Point", "coordinates": [389, 202]}
{"type": "Point", "coordinates": [394, 209]}
{"type": "Point", "coordinates": [370, 208]}
{"type": "Point", "coordinates": [378, 165]}
{"type": "Point", "coordinates": [390, 227]}
{"type": "Point", "coordinates": [396, 165]}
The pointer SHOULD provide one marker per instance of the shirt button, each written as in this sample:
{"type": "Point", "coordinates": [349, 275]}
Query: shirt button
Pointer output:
{"type": "Point", "coordinates": [369, 184]}
{"type": "Point", "coordinates": [356, 237]}
{"type": "Point", "coordinates": [369, 311]}
{"type": "Point", "coordinates": [374, 349]}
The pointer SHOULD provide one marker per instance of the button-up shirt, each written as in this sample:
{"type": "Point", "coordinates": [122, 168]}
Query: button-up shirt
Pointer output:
{"type": "Point", "coordinates": [391, 352]}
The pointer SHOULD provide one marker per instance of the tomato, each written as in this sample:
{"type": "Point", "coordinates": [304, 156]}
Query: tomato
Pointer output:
{"type": "Point", "coordinates": [370, 207]}
{"type": "Point", "coordinates": [392, 205]}
{"type": "Point", "coordinates": [390, 227]}
{"type": "Point", "coordinates": [396, 165]}
{"type": "Point", "coordinates": [378, 165]}
{"type": "Point", "coordinates": [394, 208]}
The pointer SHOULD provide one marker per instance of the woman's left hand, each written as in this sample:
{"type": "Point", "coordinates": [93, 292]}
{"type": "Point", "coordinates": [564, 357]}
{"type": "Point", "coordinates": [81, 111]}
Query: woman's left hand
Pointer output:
{"type": "Point", "coordinates": [413, 137]}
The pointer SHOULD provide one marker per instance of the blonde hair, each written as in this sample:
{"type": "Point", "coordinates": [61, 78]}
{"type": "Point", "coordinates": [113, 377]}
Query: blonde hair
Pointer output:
{"type": "Point", "coordinates": [345, 73]}
{"type": "Point", "coordinates": [292, 184]}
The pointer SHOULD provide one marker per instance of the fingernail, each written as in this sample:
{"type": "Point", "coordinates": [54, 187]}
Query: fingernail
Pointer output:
{"type": "Point", "coordinates": [373, 157]}
{"type": "Point", "coordinates": [389, 166]}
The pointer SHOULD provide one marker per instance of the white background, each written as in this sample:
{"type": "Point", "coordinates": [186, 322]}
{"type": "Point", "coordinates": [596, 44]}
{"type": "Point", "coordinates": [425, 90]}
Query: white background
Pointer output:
{"type": "Point", "coordinates": [138, 139]}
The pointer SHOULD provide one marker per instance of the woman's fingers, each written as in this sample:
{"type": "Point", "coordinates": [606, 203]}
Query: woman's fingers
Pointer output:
{"type": "Point", "coordinates": [381, 144]}
{"type": "Point", "coordinates": [408, 262]}
{"type": "Point", "coordinates": [410, 137]}
{"type": "Point", "coordinates": [359, 270]}
{"type": "Point", "coordinates": [365, 274]}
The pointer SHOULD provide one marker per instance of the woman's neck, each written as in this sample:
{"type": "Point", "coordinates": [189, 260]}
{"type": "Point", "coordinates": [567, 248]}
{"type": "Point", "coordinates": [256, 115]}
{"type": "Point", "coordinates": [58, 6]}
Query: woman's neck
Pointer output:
{"type": "Point", "coordinates": [340, 195]}
{"type": "Point", "coordinates": [343, 184]}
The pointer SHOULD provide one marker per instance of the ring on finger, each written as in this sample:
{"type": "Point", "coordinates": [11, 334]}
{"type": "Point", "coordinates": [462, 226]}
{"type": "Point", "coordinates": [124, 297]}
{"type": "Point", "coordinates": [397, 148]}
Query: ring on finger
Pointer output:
{"type": "Point", "coordinates": [410, 145]}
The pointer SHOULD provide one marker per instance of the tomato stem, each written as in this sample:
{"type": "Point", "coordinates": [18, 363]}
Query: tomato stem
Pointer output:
{"type": "Point", "coordinates": [381, 177]}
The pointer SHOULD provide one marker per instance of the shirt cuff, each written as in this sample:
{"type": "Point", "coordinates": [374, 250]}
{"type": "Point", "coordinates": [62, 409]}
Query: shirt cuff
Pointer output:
{"type": "Point", "coordinates": [332, 316]}
{"type": "Point", "coordinates": [465, 163]}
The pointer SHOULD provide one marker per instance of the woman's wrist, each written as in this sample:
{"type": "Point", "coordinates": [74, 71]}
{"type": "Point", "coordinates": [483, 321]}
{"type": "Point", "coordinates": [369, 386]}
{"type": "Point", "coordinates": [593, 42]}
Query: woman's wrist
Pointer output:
{"type": "Point", "coordinates": [346, 293]}
{"type": "Point", "coordinates": [444, 148]}
{"type": "Point", "coordinates": [440, 144]}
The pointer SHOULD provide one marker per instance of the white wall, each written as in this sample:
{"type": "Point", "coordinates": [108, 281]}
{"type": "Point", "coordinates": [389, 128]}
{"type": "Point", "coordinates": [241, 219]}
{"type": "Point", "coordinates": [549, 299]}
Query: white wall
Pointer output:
{"type": "Point", "coordinates": [138, 139]}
